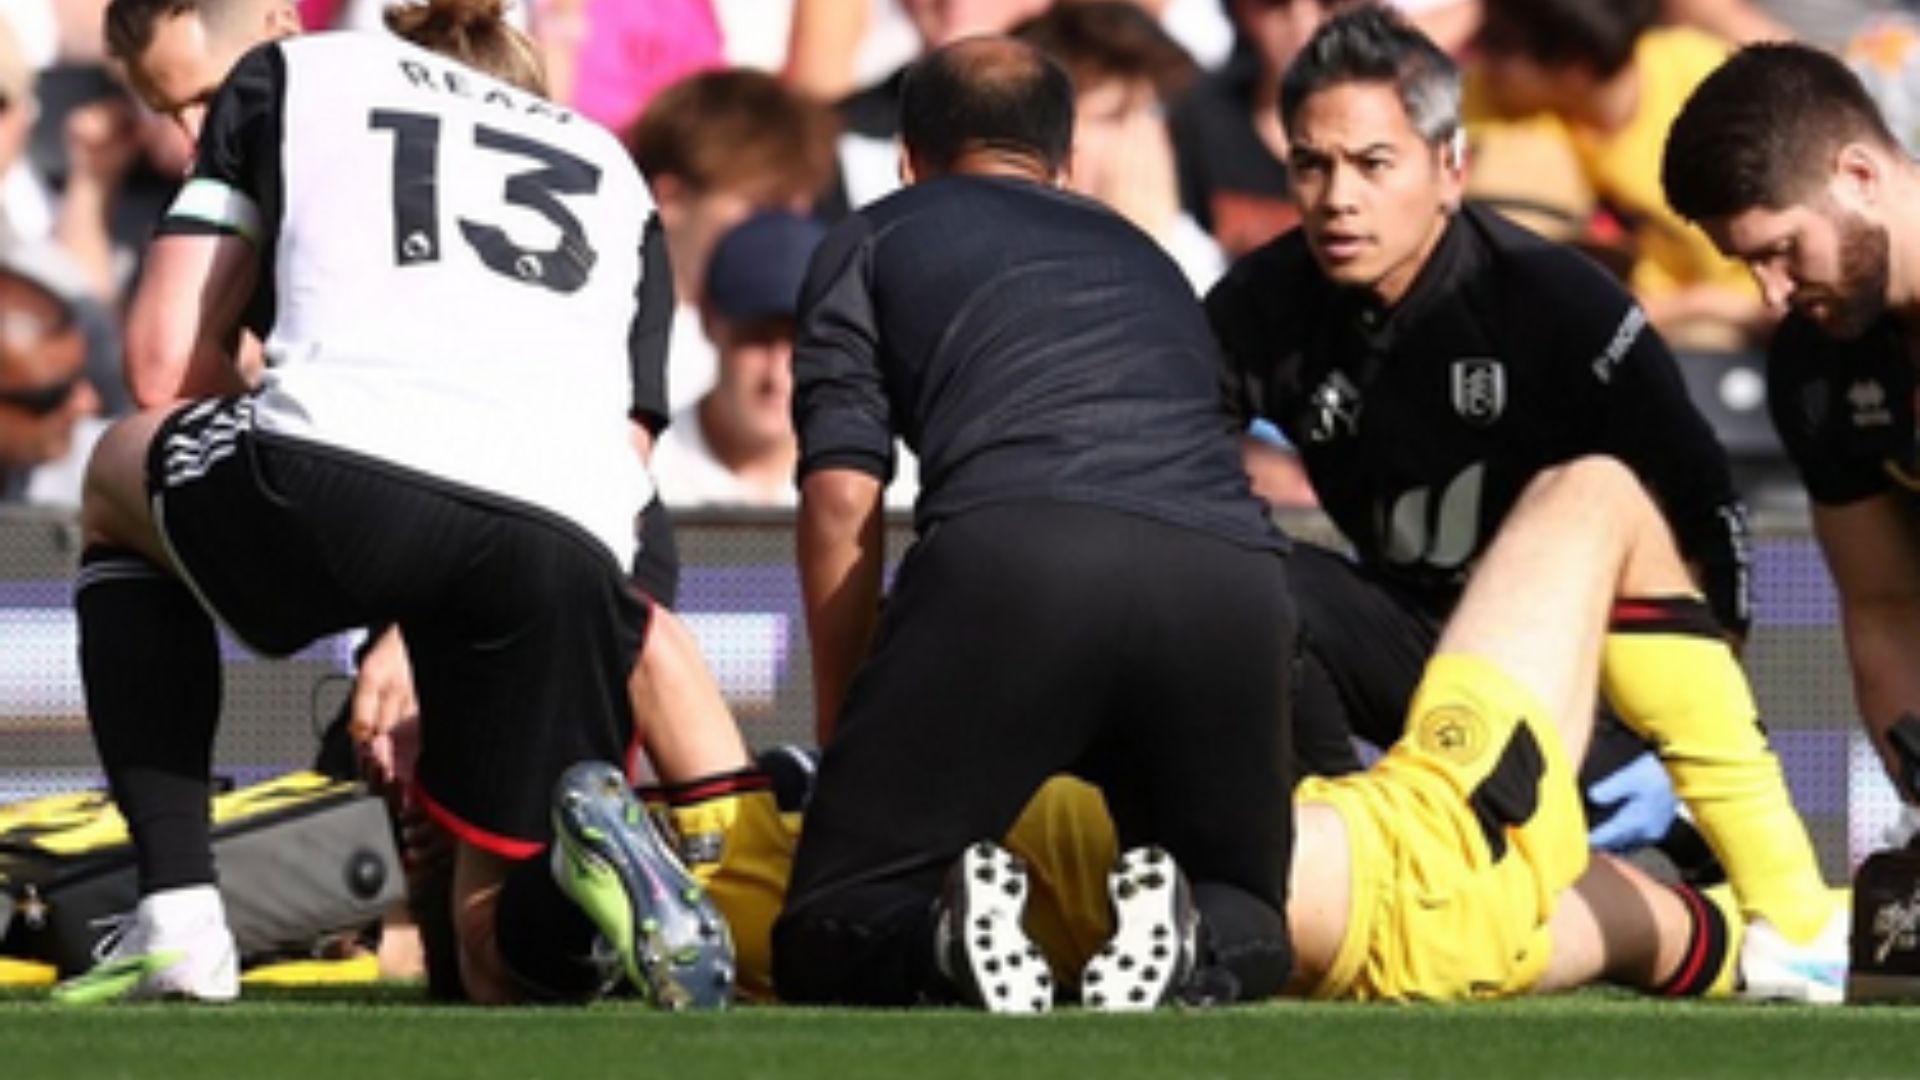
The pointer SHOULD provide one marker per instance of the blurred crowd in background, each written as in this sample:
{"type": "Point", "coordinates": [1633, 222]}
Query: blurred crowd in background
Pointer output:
{"type": "Point", "coordinates": [759, 122]}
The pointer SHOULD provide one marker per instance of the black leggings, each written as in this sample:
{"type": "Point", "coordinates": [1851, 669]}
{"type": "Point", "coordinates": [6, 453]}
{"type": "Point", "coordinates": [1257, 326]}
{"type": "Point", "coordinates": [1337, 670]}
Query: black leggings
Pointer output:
{"type": "Point", "coordinates": [1027, 640]}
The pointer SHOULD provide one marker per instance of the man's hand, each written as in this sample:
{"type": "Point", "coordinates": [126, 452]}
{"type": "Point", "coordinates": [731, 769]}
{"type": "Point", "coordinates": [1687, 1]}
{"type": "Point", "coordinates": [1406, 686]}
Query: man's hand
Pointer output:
{"type": "Point", "coordinates": [1643, 805]}
{"type": "Point", "coordinates": [384, 717]}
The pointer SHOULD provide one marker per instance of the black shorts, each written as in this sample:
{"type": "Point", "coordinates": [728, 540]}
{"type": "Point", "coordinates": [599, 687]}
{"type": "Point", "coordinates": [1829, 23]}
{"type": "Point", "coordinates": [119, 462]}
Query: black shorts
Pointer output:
{"type": "Point", "coordinates": [1363, 644]}
{"type": "Point", "coordinates": [520, 626]}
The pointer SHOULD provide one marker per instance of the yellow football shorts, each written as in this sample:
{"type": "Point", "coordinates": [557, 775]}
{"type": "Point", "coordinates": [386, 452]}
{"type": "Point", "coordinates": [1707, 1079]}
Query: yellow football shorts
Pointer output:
{"type": "Point", "coordinates": [1461, 837]}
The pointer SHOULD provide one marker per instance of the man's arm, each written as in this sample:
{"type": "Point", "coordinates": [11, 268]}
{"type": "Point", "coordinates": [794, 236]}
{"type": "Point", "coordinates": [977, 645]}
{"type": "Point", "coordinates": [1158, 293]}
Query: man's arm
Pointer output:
{"type": "Point", "coordinates": [842, 417]}
{"type": "Point", "coordinates": [841, 544]}
{"type": "Point", "coordinates": [183, 328]}
{"type": "Point", "coordinates": [1872, 548]}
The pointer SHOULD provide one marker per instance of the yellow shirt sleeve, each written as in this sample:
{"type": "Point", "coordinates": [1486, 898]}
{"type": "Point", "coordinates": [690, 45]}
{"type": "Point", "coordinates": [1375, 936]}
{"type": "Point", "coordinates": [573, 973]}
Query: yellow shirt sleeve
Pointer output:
{"type": "Point", "coordinates": [1625, 167]}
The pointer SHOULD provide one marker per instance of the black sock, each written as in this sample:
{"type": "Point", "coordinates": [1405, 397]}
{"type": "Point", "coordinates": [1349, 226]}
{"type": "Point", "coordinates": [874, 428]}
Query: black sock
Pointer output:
{"type": "Point", "coordinates": [545, 940]}
{"type": "Point", "coordinates": [712, 786]}
{"type": "Point", "coordinates": [1245, 954]}
{"type": "Point", "coordinates": [150, 661]}
{"type": "Point", "coordinates": [1706, 951]}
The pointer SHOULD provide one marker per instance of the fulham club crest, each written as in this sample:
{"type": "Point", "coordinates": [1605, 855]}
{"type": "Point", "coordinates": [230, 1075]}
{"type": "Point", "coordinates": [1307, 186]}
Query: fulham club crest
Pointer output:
{"type": "Point", "coordinates": [1479, 390]}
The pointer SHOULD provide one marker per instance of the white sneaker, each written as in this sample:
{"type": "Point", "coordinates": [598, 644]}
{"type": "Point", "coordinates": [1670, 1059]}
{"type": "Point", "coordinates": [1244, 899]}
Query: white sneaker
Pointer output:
{"type": "Point", "coordinates": [1775, 969]}
{"type": "Point", "coordinates": [176, 945]}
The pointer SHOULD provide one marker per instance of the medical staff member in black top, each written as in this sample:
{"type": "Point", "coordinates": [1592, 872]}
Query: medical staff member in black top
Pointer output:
{"type": "Point", "coordinates": [1428, 359]}
{"type": "Point", "coordinates": [1094, 589]}
{"type": "Point", "coordinates": [1824, 229]}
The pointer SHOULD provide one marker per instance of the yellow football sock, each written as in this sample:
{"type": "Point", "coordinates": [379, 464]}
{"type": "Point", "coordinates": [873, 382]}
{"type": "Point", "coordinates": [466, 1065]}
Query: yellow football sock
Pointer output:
{"type": "Point", "coordinates": [1675, 682]}
{"type": "Point", "coordinates": [1068, 843]}
{"type": "Point", "coordinates": [1722, 899]}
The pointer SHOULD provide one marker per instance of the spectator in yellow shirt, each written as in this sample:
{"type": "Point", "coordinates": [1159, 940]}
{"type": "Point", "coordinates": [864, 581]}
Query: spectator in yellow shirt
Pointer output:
{"type": "Point", "coordinates": [1600, 75]}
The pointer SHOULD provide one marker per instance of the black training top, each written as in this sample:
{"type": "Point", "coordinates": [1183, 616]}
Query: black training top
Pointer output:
{"type": "Point", "coordinates": [1027, 344]}
{"type": "Point", "coordinates": [1420, 425]}
{"type": "Point", "coordinates": [1844, 409]}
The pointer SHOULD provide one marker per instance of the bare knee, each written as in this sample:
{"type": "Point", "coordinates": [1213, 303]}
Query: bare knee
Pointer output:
{"type": "Point", "coordinates": [1604, 493]}
{"type": "Point", "coordinates": [1604, 479]}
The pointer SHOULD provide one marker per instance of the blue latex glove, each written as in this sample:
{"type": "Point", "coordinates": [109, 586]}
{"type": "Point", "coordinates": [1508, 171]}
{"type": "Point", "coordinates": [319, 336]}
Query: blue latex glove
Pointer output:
{"type": "Point", "coordinates": [1643, 805]}
{"type": "Point", "coordinates": [1261, 429]}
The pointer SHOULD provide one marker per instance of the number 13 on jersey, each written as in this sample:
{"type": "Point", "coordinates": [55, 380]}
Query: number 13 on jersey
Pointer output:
{"type": "Point", "coordinates": [545, 174]}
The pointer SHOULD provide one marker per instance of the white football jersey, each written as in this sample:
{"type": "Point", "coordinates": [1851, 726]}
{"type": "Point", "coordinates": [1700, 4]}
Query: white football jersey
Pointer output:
{"type": "Point", "coordinates": [455, 269]}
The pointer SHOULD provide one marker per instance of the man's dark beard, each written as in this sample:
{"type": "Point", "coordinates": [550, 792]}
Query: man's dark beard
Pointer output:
{"type": "Point", "coordinates": [1859, 298]}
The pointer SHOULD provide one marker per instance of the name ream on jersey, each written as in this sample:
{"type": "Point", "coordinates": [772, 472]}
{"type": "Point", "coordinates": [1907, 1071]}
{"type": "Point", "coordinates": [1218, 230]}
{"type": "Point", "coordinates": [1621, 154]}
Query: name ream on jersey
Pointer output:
{"type": "Point", "coordinates": [459, 83]}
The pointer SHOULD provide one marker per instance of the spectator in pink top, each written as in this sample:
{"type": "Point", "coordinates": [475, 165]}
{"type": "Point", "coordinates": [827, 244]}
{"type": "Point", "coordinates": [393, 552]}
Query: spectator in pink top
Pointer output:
{"type": "Point", "coordinates": [607, 58]}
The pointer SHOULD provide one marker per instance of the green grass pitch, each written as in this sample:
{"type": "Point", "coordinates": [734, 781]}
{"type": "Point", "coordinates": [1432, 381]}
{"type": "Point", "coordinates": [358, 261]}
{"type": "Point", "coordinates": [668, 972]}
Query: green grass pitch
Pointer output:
{"type": "Point", "coordinates": [366, 1034]}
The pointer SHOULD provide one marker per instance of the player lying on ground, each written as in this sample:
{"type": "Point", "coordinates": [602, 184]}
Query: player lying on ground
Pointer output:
{"type": "Point", "coordinates": [1456, 867]}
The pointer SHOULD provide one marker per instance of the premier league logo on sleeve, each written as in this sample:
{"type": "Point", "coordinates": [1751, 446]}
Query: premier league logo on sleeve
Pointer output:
{"type": "Point", "coordinates": [1479, 390]}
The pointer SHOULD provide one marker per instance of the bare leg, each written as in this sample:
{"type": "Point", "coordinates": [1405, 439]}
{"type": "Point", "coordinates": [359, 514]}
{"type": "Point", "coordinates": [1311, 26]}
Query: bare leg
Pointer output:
{"type": "Point", "coordinates": [1537, 605]}
{"type": "Point", "coordinates": [477, 878]}
{"type": "Point", "coordinates": [682, 720]}
{"type": "Point", "coordinates": [115, 506]}
{"type": "Point", "coordinates": [1616, 925]}
{"type": "Point", "coordinates": [1537, 608]}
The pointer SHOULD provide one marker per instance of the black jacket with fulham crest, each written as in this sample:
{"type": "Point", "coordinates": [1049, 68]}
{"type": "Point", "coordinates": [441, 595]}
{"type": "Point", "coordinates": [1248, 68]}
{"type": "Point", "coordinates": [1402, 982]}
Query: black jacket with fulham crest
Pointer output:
{"type": "Point", "coordinates": [1421, 424]}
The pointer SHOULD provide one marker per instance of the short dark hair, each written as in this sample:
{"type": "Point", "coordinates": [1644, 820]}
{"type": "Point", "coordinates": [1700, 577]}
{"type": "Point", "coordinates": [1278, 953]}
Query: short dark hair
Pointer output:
{"type": "Point", "coordinates": [1763, 129]}
{"type": "Point", "coordinates": [128, 25]}
{"type": "Point", "coordinates": [1375, 44]}
{"type": "Point", "coordinates": [1596, 34]}
{"type": "Point", "coordinates": [1098, 40]}
{"type": "Point", "coordinates": [987, 93]}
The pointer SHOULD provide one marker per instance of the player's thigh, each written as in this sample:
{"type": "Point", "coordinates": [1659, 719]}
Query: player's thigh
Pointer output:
{"type": "Point", "coordinates": [1493, 743]}
{"type": "Point", "coordinates": [683, 721]}
{"type": "Point", "coordinates": [116, 508]}
{"type": "Point", "coordinates": [1489, 831]}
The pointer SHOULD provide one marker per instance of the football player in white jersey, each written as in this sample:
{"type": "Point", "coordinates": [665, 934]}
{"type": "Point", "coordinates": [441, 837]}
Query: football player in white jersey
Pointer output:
{"type": "Point", "coordinates": [448, 277]}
